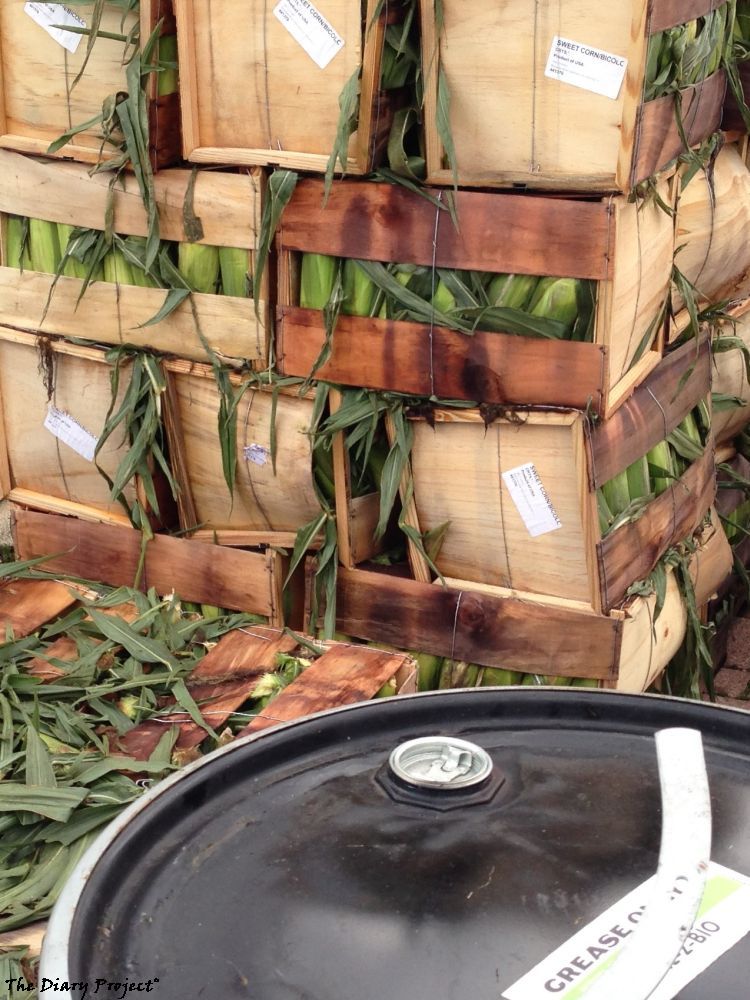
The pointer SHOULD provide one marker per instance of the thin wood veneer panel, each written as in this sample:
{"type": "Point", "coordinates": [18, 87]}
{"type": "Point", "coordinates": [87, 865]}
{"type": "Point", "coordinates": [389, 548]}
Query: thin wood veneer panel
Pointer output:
{"type": "Point", "coordinates": [37, 460]}
{"type": "Point", "coordinates": [25, 605]}
{"type": "Point", "coordinates": [37, 73]}
{"type": "Point", "coordinates": [342, 676]}
{"type": "Point", "coordinates": [479, 628]}
{"type": "Point", "coordinates": [229, 578]}
{"type": "Point", "coordinates": [457, 468]}
{"type": "Point", "coordinates": [247, 85]}
{"type": "Point", "coordinates": [408, 357]}
{"type": "Point", "coordinates": [263, 499]}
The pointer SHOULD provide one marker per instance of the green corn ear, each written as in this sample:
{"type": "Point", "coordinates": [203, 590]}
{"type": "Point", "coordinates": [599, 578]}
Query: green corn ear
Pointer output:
{"type": "Point", "coordinates": [605, 514]}
{"type": "Point", "coordinates": [359, 291]}
{"type": "Point", "coordinates": [72, 268]}
{"type": "Point", "coordinates": [117, 270]}
{"type": "Point", "coordinates": [388, 689]}
{"type": "Point", "coordinates": [498, 677]}
{"type": "Point", "coordinates": [428, 676]}
{"type": "Point", "coordinates": [443, 300]}
{"type": "Point", "coordinates": [199, 266]}
{"type": "Point", "coordinates": [44, 246]}
{"type": "Point", "coordinates": [318, 274]}
{"type": "Point", "coordinates": [585, 682]}
{"type": "Point", "coordinates": [559, 301]}
{"type": "Point", "coordinates": [617, 494]}
{"type": "Point", "coordinates": [639, 480]}
{"type": "Point", "coordinates": [512, 291]}
{"type": "Point", "coordinates": [234, 263]}
{"type": "Point", "coordinates": [166, 81]}
{"type": "Point", "coordinates": [661, 457]}
{"type": "Point", "coordinates": [13, 240]}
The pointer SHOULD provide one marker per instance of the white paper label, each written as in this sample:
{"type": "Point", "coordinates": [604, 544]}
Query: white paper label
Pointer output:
{"type": "Point", "coordinates": [723, 920]}
{"type": "Point", "coordinates": [531, 500]}
{"type": "Point", "coordinates": [70, 432]}
{"type": "Point", "coordinates": [586, 67]}
{"type": "Point", "coordinates": [256, 453]}
{"type": "Point", "coordinates": [47, 15]}
{"type": "Point", "coordinates": [307, 26]}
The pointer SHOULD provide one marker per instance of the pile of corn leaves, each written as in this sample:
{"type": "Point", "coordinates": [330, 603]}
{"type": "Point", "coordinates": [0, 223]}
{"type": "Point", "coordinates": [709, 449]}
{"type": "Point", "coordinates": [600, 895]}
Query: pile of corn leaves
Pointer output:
{"type": "Point", "coordinates": [61, 775]}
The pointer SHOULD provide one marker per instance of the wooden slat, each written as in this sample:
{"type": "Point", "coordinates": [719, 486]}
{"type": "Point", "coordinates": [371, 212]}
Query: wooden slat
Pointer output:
{"type": "Point", "coordinates": [659, 138]}
{"type": "Point", "coordinates": [229, 578]}
{"type": "Point", "coordinates": [526, 234]}
{"type": "Point", "coordinates": [631, 552]}
{"type": "Point", "coordinates": [651, 413]}
{"type": "Point", "coordinates": [241, 652]}
{"type": "Point", "coordinates": [112, 314]}
{"type": "Point", "coordinates": [479, 628]}
{"type": "Point", "coordinates": [712, 563]}
{"type": "Point", "coordinates": [668, 13]}
{"type": "Point", "coordinates": [30, 936]}
{"type": "Point", "coordinates": [228, 205]}
{"type": "Point", "coordinates": [216, 702]}
{"type": "Point", "coordinates": [409, 357]}
{"type": "Point", "coordinates": [25, 605]}
{"type": "Point", "coordinates": [342, 676]}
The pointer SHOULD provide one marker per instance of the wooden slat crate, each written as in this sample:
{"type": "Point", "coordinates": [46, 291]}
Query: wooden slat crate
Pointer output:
{"type": "Point", "coordinates": [229, 206]}
{"type": "Point", "coordinates": [713, 218]}
{"type": "Point", "coordinates": [38, 101]}
{"type": "Point", "coordinates": [196, 571]}
{"type": "Point", "coordinates": [252, 95]}
{"type": "Point", "coordinates": [511, 124]}
{"type": "Point", "coordinates": [458, 465]}
{"type": "Point", "coordinates": [730, 378]}
{"type": "Point", "coordinates": [268, 506]}
{"type": "Point", "coordinates": [627, 250]}
{"type": "Point", "coordinates": [626, 649]}
{"type": "Point", "coordinates": [37, 468]}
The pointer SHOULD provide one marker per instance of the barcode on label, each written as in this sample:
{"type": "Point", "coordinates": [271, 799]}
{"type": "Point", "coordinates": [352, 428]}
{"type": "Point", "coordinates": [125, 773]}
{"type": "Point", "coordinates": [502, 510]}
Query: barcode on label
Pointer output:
{"type": "Point", "coordinates": [54, 18]}
{"type": "Point", "coordinates": [67, 429]}
{"type": "Point", "coordinates": [531, 500]}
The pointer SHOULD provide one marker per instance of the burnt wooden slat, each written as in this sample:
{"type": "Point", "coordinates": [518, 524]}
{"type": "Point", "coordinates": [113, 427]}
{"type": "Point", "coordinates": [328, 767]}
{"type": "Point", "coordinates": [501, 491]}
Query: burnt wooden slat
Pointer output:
{"type": "Point", "coordinates": [631, 552]}
{"type": "Point", "coordinates": [652, 412]}
{"type": "Point", "coordinates": [408, 357]}
{"type": "Point", "coordinates": [668, 13]}
{"type": "Point", "coordinates": [342, 676]}
{"type": "Point", "coordinates": [480, 628]}
{"type": "Point", "coordinates": [244, 651]}
{"type": "Point", "coordinates": [659, 138]}
{"type": "Point", "coordinates": [215, 574]}
{"type": "Point", "coordinates": [526, 234]}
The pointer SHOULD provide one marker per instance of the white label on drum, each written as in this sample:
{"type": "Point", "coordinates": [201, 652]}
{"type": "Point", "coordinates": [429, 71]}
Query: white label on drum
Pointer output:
{"type": "Point", "coordinates": [723, 919]}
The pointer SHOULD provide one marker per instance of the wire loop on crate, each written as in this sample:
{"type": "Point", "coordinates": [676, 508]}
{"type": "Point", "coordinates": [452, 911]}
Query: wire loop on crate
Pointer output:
{"type": "Point", "coordinates": [431, 335]}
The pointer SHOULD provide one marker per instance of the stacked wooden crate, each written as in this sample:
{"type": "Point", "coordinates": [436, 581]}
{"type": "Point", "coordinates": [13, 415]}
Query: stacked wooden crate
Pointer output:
{"type": "Point", "coordinates": [527, 579]}
{"type": "Point", "coordinates": [567, 122]}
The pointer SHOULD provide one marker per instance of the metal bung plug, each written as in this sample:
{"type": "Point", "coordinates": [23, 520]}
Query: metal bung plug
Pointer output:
{"type": "Point", "coordinates": [440, 762]}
